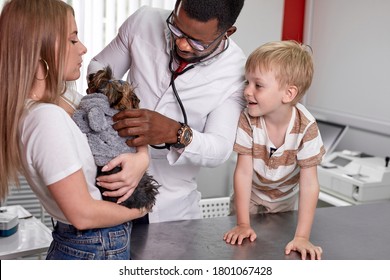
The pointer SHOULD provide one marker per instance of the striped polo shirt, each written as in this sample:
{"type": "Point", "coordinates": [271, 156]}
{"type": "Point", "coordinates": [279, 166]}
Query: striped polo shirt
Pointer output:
{"type": "Point", "coordinates": [276, 171]}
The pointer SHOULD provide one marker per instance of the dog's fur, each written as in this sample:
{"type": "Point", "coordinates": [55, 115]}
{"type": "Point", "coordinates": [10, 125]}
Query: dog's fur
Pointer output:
{"type": "Point", "coordinates": [121, 96]}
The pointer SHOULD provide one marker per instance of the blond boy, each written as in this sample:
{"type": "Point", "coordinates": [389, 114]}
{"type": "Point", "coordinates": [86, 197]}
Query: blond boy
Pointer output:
{"type": "Point", "coordinates": [278, 144]}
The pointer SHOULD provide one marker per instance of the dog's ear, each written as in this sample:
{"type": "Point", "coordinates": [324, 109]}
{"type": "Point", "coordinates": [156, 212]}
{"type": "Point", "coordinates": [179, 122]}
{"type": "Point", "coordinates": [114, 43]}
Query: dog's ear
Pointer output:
{"type": "Point", "coordinates": [115, 99]}
{"type": "Point", "coordinates": [90, 77]}
{"type": "Point", "coordinates": [108, 73]}
{"type": "Point", "coordinates": [130, 99]}
{"type": "Point", "coordinates": [134, 100]}
{"type": "Point", "coordinates": [91, 86]}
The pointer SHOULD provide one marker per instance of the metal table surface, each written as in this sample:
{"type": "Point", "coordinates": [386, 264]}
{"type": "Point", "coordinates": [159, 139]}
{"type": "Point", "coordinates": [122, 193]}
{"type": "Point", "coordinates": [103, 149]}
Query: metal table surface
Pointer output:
{"type": "Point", "coordinates": [360, 232]}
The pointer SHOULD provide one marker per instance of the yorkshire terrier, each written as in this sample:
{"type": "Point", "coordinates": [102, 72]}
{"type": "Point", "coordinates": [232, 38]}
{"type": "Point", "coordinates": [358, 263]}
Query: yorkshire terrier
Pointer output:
{"type": "Point", "coordinates": [121, 96]}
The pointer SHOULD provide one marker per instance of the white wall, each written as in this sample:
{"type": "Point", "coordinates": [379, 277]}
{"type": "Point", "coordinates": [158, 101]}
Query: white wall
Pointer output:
{"type": "Point", "coordinates": [260, 21]}
{"type": "Point", "coordinates": [350, 40]}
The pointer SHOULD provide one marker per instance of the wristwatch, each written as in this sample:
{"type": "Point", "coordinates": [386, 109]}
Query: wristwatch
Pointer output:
{"type": "Point", "coordinates": [184, 136]}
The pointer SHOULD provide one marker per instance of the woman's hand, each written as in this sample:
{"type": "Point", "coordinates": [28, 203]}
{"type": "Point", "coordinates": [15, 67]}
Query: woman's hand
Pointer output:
{"type": "Point", "coordinates": [123, 183]}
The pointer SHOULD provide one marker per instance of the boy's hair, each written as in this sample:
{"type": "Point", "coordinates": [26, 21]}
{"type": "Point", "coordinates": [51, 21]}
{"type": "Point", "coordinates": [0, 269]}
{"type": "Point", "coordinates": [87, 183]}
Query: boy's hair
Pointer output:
{"type": "Point", "coordinates": [291, 62]}
{"type": "Point", "coordinates": [225, 11]}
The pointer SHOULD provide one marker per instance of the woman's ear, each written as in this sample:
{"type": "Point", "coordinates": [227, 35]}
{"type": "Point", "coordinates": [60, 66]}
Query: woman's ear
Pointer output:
{"type": "Point", "coordinates": [290, 94]}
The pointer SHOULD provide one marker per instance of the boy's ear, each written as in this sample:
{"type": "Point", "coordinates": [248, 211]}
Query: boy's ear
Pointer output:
{"type": "Point", "coordinates": [290, 94]}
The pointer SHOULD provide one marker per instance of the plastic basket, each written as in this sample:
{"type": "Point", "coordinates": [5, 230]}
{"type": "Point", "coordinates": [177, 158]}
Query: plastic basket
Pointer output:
{"type": "Point", "coordinates": [215, 207]}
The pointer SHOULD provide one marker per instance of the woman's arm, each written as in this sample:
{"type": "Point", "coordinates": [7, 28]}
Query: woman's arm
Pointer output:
{"type": "Point", "coordinates": [82, 211]}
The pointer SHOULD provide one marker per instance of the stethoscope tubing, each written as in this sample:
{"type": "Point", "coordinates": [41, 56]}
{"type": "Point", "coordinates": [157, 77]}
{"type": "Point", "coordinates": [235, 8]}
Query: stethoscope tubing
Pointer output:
{"type": "Point", "coordinates": [174, 75]}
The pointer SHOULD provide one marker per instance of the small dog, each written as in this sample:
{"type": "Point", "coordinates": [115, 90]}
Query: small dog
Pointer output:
{"type": "Point", "coordinates": [105, 97]}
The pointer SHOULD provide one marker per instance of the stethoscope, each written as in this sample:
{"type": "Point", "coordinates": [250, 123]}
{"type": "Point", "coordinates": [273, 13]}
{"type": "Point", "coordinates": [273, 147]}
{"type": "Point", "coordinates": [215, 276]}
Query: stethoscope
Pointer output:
{"type": "Point", "coordinates": [174, 75]}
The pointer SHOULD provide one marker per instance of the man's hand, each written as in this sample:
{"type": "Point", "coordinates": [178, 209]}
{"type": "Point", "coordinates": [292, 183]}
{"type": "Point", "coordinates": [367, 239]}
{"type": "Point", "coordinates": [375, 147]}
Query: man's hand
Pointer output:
{"type": "Point", "coordinates": [148, 127]}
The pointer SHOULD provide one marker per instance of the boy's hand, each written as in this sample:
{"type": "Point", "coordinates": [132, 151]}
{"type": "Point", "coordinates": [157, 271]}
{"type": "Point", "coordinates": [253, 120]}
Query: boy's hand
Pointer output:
{"type": "Point", "coordinates": [305, 247]}
{"type": "Point", "coordinates": [239, 233]}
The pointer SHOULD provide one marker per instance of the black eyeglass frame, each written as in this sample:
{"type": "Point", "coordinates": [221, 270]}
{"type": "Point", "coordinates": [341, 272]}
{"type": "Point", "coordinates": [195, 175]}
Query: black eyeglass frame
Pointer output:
{"type": "Point", "coordinates": [195, 44]}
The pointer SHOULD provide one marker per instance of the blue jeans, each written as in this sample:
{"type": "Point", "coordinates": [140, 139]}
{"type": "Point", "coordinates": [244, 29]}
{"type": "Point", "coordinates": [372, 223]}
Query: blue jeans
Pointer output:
{"type": "Point", "coordinates": [69, 243]}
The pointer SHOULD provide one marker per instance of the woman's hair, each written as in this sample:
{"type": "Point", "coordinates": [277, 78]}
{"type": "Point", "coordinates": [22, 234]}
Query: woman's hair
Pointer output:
{"type": "Point", "coordinates": [291, 62]}
{"type": "Point", "coordinates": [32, 33]}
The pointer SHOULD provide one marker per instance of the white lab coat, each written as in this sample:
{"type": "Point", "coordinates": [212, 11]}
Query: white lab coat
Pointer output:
{"type": "Point", "coordinates": [211, 92]}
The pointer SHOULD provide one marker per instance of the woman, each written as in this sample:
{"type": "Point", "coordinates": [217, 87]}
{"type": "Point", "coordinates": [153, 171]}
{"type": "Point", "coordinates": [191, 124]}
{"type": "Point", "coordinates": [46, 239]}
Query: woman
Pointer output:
{"type": "Point", "coordinates": [39, 53]}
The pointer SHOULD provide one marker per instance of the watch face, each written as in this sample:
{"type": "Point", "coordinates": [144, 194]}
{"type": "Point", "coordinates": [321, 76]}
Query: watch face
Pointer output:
{"type": "Point", "coordinates": [187, 136]}
{"type": "Point", "coordinates": [184, 137]}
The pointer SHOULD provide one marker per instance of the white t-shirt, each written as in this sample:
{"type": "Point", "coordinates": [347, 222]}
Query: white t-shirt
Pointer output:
{"type": "Point", "coordinates": [52, 148]}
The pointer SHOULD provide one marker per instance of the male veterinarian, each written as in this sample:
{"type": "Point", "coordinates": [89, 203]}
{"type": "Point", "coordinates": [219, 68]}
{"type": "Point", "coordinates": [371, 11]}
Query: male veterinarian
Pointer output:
{"type": "Point", "coordinates": [188, 74]}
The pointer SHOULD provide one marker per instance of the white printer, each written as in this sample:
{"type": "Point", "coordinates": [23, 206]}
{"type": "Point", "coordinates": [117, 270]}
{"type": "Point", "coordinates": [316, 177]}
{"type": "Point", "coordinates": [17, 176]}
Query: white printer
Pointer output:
{"type": "Point", "coordinates": [355, 177]}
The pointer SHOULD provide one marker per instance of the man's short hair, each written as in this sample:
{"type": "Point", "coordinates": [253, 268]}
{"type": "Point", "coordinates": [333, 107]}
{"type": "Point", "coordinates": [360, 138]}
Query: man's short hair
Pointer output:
{"type": "Point", "coordinates": [225, 11]}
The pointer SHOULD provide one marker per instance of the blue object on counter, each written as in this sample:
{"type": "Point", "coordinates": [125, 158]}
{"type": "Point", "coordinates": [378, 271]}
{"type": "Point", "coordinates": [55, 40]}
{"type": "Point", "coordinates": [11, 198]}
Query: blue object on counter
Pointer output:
{"type": "Point", "coordinates": [9, 224]}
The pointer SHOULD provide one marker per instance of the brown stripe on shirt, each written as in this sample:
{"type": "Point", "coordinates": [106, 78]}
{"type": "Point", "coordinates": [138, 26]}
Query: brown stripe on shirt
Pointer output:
{"type": "Point", "coordinates": [244, 124]}
{"type": "Point", "coordinates": [311, 133]}
{"type": "Point", "coordinates": [300, 123]}
{"type": "Point", "coordinates": [242, 150]}
{"type": "Point", "coordinates": [260, 152]}
{"type": "Point", "coordinates": [312, 161]}
{"type": "Point", "coordinates": [272, 193]}
{"type": "Point", "coordinates": [290, 181]}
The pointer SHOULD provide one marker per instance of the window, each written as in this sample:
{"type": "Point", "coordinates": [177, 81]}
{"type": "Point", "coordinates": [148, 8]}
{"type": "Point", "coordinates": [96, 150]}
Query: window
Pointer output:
{"type": "Point", "coordinates": [98, 22]}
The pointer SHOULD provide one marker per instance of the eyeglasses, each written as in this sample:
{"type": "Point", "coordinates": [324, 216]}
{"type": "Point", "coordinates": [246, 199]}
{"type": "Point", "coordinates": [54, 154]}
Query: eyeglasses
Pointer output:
{"type": "Point", "coordinates": [195, 44]}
